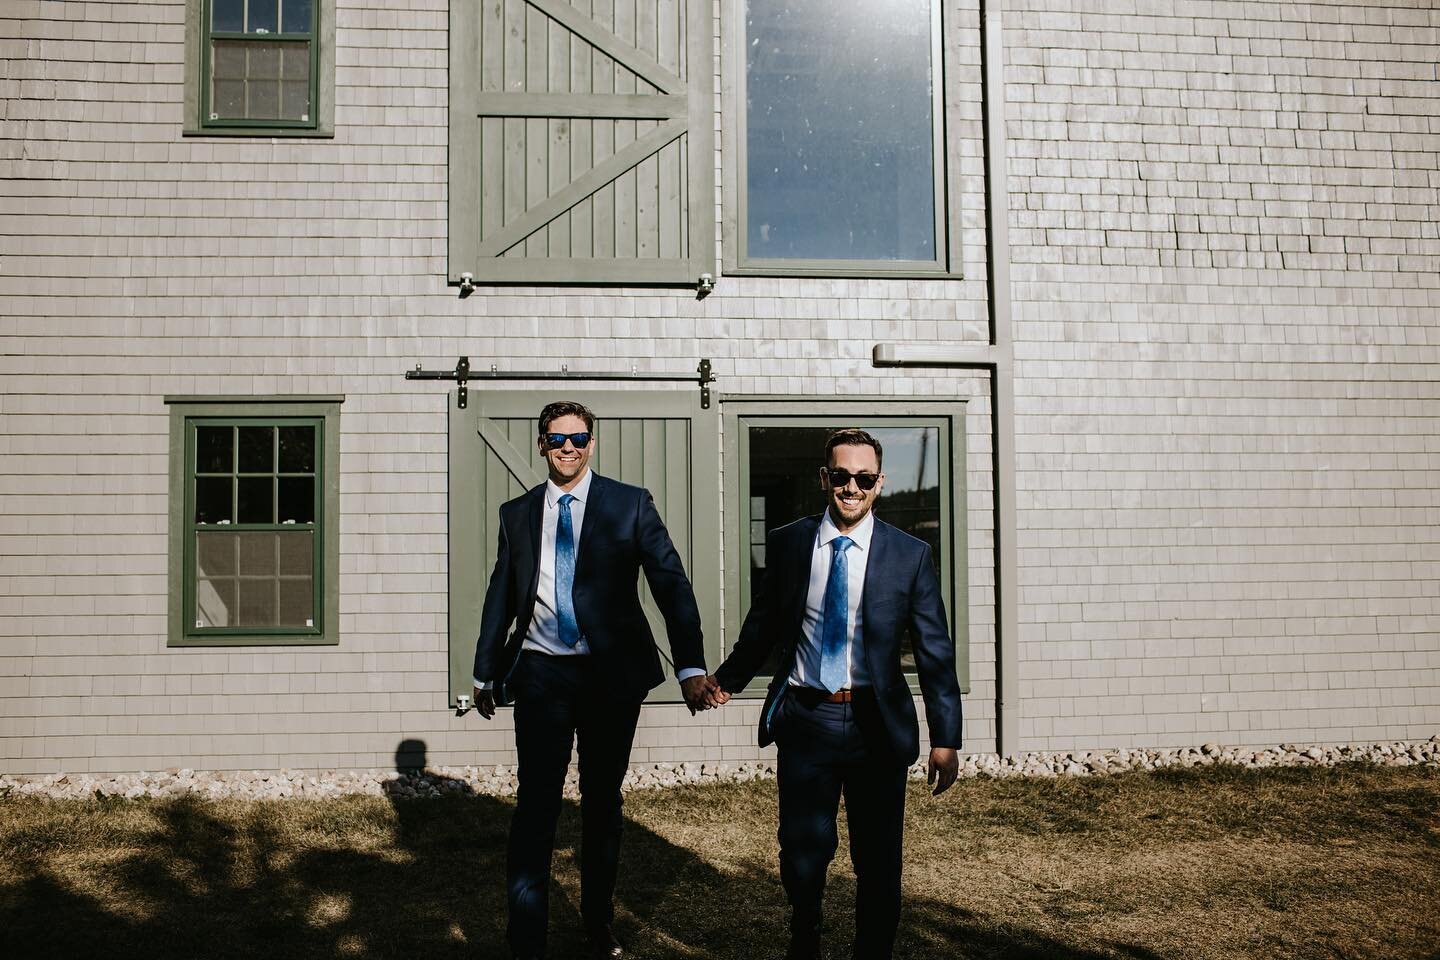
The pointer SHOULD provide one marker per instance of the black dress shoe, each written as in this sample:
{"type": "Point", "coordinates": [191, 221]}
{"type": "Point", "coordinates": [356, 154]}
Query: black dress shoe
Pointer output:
{"type": "Point", "coordinates": [603, 945]}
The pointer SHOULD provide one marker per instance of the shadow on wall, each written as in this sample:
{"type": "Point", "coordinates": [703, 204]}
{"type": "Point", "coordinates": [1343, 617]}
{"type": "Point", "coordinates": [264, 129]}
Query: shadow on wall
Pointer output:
{"type": "Point", "coordinates": [360, 877]}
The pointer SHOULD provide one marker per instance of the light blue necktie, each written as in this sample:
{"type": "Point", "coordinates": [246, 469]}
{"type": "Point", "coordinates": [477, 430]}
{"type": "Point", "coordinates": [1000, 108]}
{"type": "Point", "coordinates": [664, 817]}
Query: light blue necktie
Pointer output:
{"type": "Point", "coordinates": [834, 626]}
{"type": "Point", "coordinates": [565, 574]}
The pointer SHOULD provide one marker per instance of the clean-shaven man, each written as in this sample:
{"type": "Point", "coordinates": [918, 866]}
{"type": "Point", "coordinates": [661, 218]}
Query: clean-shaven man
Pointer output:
{"type": "Point", "coordinates": [841, 591]}
{"type": "Point", "coordinates": [577, 664]}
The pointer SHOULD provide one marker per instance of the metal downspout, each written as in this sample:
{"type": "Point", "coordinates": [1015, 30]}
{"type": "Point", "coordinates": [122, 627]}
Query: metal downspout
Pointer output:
{"type": "Point", "coordinates": [1002, 385]}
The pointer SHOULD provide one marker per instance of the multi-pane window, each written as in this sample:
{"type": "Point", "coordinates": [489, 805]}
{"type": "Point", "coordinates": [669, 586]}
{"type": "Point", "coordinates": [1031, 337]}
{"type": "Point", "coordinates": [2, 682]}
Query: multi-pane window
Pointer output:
{"type": "Point", "coordinates": [253, 544]}
{"type": "Point", "coordinates": [261, 62]}
{"type": "Point", "coordinates": [254, 525]}
{"type": "Point", "coordinates": [840, 138]}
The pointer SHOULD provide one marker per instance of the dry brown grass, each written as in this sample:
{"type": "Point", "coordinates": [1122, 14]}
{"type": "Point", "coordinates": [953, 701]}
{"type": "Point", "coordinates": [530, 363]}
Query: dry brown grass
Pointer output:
{"type": "Point", "coordinates": [1219, 863]}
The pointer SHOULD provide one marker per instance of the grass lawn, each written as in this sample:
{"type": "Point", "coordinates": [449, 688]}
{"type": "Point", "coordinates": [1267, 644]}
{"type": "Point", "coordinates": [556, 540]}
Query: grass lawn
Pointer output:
{"type": "Point", "coordinates": [1218, 862]}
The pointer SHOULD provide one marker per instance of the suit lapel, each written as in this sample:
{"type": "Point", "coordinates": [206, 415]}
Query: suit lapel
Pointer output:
{"type": "Point", "coordinates": [874, 564]}
{"type": "Point", "coordinates": [592, 517]}
{"type": "Point", "coordinates": [535, 518]}
{"type": "Point", "coordinates": [874, 590]}
{"type": "Point", "coordinates": [800, 572]}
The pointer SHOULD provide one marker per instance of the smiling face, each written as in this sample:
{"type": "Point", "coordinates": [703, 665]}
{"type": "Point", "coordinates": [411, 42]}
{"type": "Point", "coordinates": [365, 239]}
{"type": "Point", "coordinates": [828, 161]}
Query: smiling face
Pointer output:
{"type": "Point", "coordinates": [849, 504]}
{"type": "Point", "coordinates": [567, 464]}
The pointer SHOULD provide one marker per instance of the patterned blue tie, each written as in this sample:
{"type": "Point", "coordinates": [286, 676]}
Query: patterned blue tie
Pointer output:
{"type": "Point", "coordinates": [836, 622]}
{"type": "Point", "coordinates": [565, 574]}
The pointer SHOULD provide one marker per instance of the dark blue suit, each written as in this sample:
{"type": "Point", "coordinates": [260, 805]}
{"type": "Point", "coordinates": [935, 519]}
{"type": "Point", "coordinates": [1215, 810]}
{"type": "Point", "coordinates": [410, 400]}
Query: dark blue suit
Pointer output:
{"type": "Point", "coordinates": [593, 699]}
{"type": "Point", "coordinates": [862, 748]}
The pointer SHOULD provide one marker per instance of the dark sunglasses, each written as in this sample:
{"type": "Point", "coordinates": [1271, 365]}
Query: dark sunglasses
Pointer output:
{"type": "Point", "coordinates": [554, 441]}
{"type": "Point", "coordinates": [839, 478]}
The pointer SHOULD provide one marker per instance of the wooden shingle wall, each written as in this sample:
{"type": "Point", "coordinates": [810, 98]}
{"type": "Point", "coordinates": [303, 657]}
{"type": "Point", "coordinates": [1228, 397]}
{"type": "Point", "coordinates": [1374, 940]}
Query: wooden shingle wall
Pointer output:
{"type": "Point", "coordinates": [1226, 236]}
{"type": "Point", "coordinates": [1225, 260]}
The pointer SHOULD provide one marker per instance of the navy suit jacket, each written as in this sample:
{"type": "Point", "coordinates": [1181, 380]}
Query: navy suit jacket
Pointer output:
{"type": "Point", "coordinates": [622, 534]}
{"type": "Point", "coordinates": [901, 591]}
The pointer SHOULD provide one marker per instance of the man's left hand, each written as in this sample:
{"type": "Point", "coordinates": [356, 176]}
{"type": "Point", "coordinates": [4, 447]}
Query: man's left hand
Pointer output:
{"type": "Point", "coordinates": [694, 690]}
{"type": "Point", "coordinates": [944, 767]}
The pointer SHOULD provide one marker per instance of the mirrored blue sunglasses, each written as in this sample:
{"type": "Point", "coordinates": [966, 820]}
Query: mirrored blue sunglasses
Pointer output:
{"type": "Point", "coordinates": [554, 441]}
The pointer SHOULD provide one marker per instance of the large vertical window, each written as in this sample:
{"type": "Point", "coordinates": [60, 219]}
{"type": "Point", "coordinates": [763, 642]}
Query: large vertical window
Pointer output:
{"type": "Point", "coordinates": [252, 534]}
{"type": "Point", "coordinates": [838, 124]}
{"type": "Point", "coordinates": [260, 67]}
{"type": "Point", "coordinates": [774, 451]}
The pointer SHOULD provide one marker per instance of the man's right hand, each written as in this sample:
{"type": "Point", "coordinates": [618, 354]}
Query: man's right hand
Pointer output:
{"type": "Point", "coordinates": [485, 702]}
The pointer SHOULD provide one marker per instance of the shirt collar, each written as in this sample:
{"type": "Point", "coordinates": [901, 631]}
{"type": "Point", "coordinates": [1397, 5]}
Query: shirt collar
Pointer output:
{"type": "Point", "coordinates": [860, 535]}
{"type": "Point", "coordinates": [581, 490]}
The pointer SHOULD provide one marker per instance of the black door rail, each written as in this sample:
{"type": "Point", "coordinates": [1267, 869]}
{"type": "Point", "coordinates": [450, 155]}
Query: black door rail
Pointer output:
{"type": "Point", "coordinates": [462, 375]}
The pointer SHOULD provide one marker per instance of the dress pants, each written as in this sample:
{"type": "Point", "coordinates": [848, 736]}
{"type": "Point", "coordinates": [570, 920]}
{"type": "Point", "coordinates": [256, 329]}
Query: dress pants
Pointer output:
{"type": "Point", "coordinates": [826, 750]}
{"type": "Point", "coordinates": [560, 702]}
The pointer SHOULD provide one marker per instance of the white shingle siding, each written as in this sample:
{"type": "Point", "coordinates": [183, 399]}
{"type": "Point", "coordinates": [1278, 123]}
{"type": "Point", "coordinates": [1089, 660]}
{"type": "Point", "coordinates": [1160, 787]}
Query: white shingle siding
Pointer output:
{"type": "Point", "coordinates": [1226, 271]}
{"type": "Point", "coordinates": [1228, 471]}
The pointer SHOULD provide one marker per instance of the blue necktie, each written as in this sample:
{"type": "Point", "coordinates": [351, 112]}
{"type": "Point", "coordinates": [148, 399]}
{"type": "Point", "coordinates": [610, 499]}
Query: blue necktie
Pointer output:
{"type": "Point", "coordinates": [565, 575]}
{"type": "Point", "coordinates": [836, 622]}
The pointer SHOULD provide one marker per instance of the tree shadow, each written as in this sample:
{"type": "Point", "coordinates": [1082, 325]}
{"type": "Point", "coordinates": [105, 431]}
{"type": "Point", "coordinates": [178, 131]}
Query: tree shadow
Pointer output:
{"type": "Point", "coordinates": [421, 875]}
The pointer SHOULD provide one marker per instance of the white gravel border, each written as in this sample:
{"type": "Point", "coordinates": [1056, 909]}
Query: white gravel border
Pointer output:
{"type": "Point", "coordinates": [501, 782]}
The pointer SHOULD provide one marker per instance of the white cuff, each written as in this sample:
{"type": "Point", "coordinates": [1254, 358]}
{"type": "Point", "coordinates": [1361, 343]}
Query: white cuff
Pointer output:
{"type": "Point", "coordinates": [482, 684]}
{"type": "Point", "coordinates": [689, 672]}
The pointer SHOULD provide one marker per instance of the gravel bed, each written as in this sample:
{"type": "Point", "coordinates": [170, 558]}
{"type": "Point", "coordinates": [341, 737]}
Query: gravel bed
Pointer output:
{"type": "Point", "coordinates": [500, 781]}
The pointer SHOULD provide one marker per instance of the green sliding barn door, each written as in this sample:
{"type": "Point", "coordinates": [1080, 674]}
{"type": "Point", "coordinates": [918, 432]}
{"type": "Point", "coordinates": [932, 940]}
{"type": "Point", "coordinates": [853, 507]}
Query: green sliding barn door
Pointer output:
{"type": "Point", "coordinates": [661, 440]}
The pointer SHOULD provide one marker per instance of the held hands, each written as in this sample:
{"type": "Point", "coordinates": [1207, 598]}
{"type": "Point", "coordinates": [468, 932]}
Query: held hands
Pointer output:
{"type": "Point", "coordinates": [943, 768]}
{"type": "Point", "coordinates": [702, 693]}
{"type": "Point", "coordinates": [715, 695]}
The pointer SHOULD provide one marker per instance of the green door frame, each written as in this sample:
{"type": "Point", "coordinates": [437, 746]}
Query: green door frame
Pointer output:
{"type": "Point", "coordinates": [468, 529]}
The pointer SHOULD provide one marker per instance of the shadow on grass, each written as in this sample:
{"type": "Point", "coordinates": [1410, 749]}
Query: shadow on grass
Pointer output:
{"type": "Point", "coordinates": [187, 878]}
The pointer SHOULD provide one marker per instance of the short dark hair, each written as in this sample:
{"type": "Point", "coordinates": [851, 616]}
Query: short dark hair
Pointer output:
{"type": "Point", "coordinates": [564, 408]}
{"type": "Point", "coordinates": [854, 437]}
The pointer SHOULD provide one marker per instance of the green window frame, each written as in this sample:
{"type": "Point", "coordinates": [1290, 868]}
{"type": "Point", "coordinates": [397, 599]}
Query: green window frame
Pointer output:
{"type": "Point", "coordinates": [212, 501]}
{"type": "Point", "coordinates": [787, 65]}
{"type": "Point", "coordinates": [946, 417]}
{"type": "Point", "coordinates": [240, 38]}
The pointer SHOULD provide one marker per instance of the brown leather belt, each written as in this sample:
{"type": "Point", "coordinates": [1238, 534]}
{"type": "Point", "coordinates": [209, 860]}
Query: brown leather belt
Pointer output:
{"type": "Point", "coordinates": [813, 695]}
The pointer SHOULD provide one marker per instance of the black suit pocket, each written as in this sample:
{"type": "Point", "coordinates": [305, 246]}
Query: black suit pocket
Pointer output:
{"type": "Point", "coordinates": [515, 681]}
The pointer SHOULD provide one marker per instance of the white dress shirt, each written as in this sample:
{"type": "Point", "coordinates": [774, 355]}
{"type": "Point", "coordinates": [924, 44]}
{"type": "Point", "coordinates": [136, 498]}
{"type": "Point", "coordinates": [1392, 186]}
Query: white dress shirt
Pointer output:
{"type": "Point", "coordinates": [543, 634]}
{"type": "Point", "coordinates": [807, 657]}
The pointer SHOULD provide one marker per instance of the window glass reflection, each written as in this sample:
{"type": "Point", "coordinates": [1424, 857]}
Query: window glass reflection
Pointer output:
{"type": "Point", "coordinates": [213, 449]}
{"type": "Point", "coordinates": [784, 471]}
{"type": "Point", "coordinates": [258, 604]}
{"type": "Point", "coordinates": [228, 15]}
{"type": "Point", "coordinates": [297, 603]}
{"type": "Point", "coordinates": [256, 500]}
{"type": "Point", "coordinates": [839, 130]}
{"type": "Point", "coordinates": [297, 500]}
{"type": "Point", "coordinates": [215, 554]}
{"type": "Point", "coordinates": [297, 449]}
{"type": "Point", "coordinates": [295, 16]}
{"type": "Point", "coordinates": [257, 449]}
{"type": "Point", "coordinates": [263, 17]}
{"type": "Point", "coordinates": [215, 602]}
{"type": "Point", "coordinates": [213, 501]}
